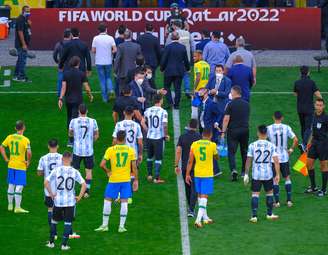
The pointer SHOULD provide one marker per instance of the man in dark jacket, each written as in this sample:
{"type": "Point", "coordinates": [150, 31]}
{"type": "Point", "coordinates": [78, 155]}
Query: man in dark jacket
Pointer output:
{"type": "Point", "coordinates": [174, 64]}
{"type": "Point", "coordinates": [150, 47]}
{"type": "Point", "coordinates": [57, 54]}
{"type": "Point", "coordinates": [76, 48]}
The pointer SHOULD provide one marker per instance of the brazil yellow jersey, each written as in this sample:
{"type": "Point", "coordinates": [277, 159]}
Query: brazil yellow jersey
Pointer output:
{"type": "Point", "coordinates": [120, 157]}
{"type": "Point", "coordinates": [204, 152]}
{"type": "Point", "coordinates": [203, 68]}
{"type": "Point", "coordinates": [17, 145]}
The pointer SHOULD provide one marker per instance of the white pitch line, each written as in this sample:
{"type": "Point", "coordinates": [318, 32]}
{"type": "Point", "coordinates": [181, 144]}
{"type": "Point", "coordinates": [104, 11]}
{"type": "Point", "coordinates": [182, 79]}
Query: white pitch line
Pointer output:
{"type": "Point", "coordinates": [185, 242]}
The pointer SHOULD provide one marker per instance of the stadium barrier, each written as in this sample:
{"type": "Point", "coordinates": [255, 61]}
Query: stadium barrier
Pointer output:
{"type": "Point", "coordinates": [263, 28]}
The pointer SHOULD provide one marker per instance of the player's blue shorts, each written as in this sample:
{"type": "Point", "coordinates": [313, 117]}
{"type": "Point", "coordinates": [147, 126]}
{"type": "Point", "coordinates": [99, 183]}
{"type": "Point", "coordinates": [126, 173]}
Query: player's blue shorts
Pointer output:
{"type": "Point", "coordinates": [204, 185]}
{"type": "Point", "coordinates": [16, 177]}
{"type": "Point", "coordinates": [115, 188]}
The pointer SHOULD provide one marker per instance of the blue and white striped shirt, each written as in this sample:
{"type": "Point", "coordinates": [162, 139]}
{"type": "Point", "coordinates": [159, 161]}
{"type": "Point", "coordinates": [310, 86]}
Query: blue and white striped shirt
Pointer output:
{"type": "Point", "coordinates": [156, 117]}
{"type": "Point", "coordinates": [262, 152]}
{"type": "Point", "coordinates": [83, 129]}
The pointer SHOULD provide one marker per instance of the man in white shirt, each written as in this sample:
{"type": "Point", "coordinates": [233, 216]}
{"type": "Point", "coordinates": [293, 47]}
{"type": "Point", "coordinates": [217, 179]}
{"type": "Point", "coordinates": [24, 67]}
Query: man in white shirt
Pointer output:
{"type": "Point", "coordinates": [103, 45]}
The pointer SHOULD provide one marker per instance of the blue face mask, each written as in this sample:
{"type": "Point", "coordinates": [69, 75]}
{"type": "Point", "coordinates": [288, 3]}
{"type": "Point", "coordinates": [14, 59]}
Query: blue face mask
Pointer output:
{"type": "Point", "coordinates": [27, 14]}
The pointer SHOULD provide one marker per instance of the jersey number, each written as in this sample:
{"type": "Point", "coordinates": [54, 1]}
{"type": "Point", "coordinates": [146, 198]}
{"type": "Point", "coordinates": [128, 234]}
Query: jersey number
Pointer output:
{"type": "Point", "coordinates": [121, 159]}
{"type": "Point", "coordinates": [14, 148]}
{"type": "Point", "coordinates": [265, 160]}
{"type": "Point", "coordinates": [85, 131]}
{"type": "Point", "coordinates": [154, 121]}
{"type": "Point", "coordinates": [205, 73]}
{"type": "Point", "coordinates": [277, 139]}
{"type": "Point", "coordinates": [130, 137]}
{"type": "Point", "coordinates": [69, 183]}
{"type": "Point", "coordinates": [202, 152]}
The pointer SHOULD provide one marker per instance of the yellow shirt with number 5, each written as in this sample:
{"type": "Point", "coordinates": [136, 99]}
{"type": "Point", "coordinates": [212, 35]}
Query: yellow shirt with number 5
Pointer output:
{"type": "Point", "coordinates": [204, 151]}
{"type": "Point", "coordinates": [120, 157]}
{"type": "Point", "coordinates": [18, 146]}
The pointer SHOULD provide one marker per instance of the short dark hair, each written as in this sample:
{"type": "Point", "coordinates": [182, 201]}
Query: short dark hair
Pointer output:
{"type": "Point", "coordinates": [19, 125]}
{"type": "Point", "coordinates": [74, 61]}
{"type": "Point", "coordinates": [157, 98]}
{"type": "Point", "coordinates": [120, 136]}
{"type": "Point", "coordinates": [67, 154]}
{"type": "Point", "coordinates": [320, 100]}
{"type": "Point", "coordinates": [216, 34]}
{"type": "Point", "coordinates": [140, 60]}
{"type": "Point", "coordinates": [278, 115]}
{"type": "Point", "coordinates": [206, 33]}
{"type": "Point", "coordinates": [83, 109]}
{"type": "Point", "coordinates": [128, 110]}
{"type": "Point", "coordinates": [25, 7]}
{"type": "Point", "coordinates": [304, 70]}
{"type": "Point", "coordinates": [193, 123]}
{"type": "Point", "coordinates": [262, 129]}
{"type": "Point", "coordinates": [121, 29]}
{"type": "Point", "coordinates": [126, 89]}
{"type": "Point", "coordinates": [139, 70]}
{"type": "Point", "coordinates": [102, 27]}
{"type": "Point", "coordinates": [219, 66]}
{"type": "Point", "coordinates": [53, 143]}
{"type": "Point", "coordinates": [149, 27]}
{"type": "Point", "coordinates": [237, 89]}
{"type": "Point", "coordinates": [207, 132]}
{"type": "Point", "coordinates": [148, 67]}
{"type": "Point", "coordinates": [75, 31]}
{"type": "Point", "coordinates": [67, 33]}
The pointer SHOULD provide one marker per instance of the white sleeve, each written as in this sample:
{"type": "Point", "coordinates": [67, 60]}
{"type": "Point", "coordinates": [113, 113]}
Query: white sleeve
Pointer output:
{"type": "Point", "coordinates": [250, 152]}
{"type": "Point", "coordinates": [94, 42]}
{"type": "Point", "coordinates": [41, 165]}
{"type": "Point", "coordinates": [51, 176]}
{"type": "Point", "coordinates": [71, 125]}
{"type": "Point", "coordinates": [115, 131]}
{"type": "Point", "coordinates": [95, 125]}
{"type": "Point", "coordinates": [78, 177]}
{"type": "Point", "coordinates": [165, 119]}
{"type": "Point", "coordinates": [290, 132]}
{"type": "Point", "coordinates": [139, 133]}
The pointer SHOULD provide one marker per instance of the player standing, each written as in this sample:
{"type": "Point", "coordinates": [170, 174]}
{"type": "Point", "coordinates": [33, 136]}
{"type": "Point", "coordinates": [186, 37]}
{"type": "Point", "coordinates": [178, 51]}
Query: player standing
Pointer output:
{"type": "Point", "coordinates": [278, 134]}
{"type": "Point", "coordinates": [85, 132]}
{"type": "Point", "coordinates": [156, 119]}
{"type": "Point", "coordinates": [260, 154]}
{"type": "Point", "coordinates": [18, 162]}
{"type": "Point", "coordinates": [122, 160]}
{"type": "Point", "coordinates": [63, 178]}
{"type": "Point", "coordinates": [202, 152]}
{"type": "Point", "coordinates": [47, 163]}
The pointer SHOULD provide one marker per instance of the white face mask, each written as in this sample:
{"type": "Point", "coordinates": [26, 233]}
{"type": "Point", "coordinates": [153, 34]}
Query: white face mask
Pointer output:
{"type": "Point", "coordinates": [139, 81]}
{"type": "Point", "coordinates": [149, 76]}
{"type": "Point", "coordinates": [219, 75]}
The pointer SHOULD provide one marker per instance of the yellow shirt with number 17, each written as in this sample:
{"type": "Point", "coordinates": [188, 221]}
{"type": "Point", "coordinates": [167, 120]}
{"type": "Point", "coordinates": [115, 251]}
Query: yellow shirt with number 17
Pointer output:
{"type": "Point", "coordinates": [203, 68]}
{"type": "Point", "coordinates": [204, 151]}
{"type": "Point", "coordinates": [18, 146]}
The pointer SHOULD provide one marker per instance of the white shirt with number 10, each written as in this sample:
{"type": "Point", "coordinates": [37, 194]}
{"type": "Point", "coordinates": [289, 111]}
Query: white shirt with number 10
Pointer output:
{"type": "Point", "coordinates": [156, 117]}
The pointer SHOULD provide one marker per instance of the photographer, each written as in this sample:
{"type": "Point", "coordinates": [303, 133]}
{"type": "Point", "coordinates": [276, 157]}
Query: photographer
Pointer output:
{"type": "Point", "coordinates": [176, 16]}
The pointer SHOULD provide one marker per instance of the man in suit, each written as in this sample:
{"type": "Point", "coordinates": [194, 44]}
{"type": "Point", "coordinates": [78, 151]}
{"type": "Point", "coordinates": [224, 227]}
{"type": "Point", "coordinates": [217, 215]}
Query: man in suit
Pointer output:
{"type": "Point", "coordinates": [125, 60]}
{"type": "Point", "coordinates": [206, 38]}
{"type": "Point", "coordinates": [174, 64]}
{"type": "Point", "coordinates": [219, 87]}
{"type": "Point", "coordinates": [76, 48]}
{"type": "Point", "coordinates": [150, 47]}
{"type": "Point", "coordinates": [211, 117]}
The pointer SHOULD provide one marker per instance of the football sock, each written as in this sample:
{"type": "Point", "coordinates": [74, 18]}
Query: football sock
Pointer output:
{"type": "Point", "coordinates": [158, 164]}
{"type": "Point", "coordinates": [312, 178]}
{"type": "Point", "coordinates": [49, 218]}
{"type": "Point", "coordinates": [276, 192]}
{"type": "Point", "coordinates": [88, 182]}
{"type": "Point", "coordinates": [288, 187]}
{"type": "Point", "coordinates": [269, 202]}
{"type": "Point", "coordinates": [201, 209]}
{"type": "Point", "coordinates": [324, 181]}
{"type": "Point", "coordinates": [150, 167]}
{"type": "Point", "coordinates": [123, 213]}
{"type": "Point", "coordinates": [106, 212]}
{"type": "Point", "coordinates": [254, 205]}
{"type": "Point", "coordinates": [205, 216]}
{"type": "Point", "coordinates": [18, 196]}
{"type": "Point", "coordinates": [53, 230]}
{"type": "Point", "coordinates": [11, 193]}
{"type": "Point", "coordinates": [67, 231]}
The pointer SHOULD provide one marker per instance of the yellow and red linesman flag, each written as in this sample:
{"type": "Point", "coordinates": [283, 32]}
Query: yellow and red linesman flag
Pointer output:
{"type": "Point", "coordinates": [300, 165]}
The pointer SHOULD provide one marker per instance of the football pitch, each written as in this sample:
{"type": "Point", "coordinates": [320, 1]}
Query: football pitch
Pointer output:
{"type": "Point", "coordinates": [153, 221]}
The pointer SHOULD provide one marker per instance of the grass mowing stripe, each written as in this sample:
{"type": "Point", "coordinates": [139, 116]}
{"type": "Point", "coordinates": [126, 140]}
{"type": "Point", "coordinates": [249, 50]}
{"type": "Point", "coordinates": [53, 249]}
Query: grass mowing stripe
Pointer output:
{"type": "Point", "coordinates": [181, 193]}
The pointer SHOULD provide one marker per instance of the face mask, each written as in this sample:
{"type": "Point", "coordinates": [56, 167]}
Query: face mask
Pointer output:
{"type": "Point", "coordinates": [219, 75]}
{"type": "Point", "coordinates": [27, 14]}
{"type": "Point", "coordinates": [139, 81]}
{"type": "Point", "coordinates": [149, 76]}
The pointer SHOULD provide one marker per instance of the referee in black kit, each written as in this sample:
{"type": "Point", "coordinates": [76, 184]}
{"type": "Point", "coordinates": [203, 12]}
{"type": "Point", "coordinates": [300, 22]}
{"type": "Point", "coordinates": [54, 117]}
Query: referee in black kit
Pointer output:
{"type": "Point", "coordinates": [73, 82]}
{"type": "Point", "coordinates": [236, 125]}
{"type": "Point", "coordinates": [318, 148]}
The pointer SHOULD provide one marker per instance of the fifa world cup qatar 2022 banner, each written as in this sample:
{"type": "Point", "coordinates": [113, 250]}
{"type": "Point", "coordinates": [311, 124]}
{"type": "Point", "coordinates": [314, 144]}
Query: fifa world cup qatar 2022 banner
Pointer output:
{"type": "Point", "coordinates": [290, 28]}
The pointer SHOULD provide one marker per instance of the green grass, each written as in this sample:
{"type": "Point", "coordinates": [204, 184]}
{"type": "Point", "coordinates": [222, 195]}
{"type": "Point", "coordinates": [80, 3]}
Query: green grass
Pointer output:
{"type": "Point", "coordinates": [153, 220]}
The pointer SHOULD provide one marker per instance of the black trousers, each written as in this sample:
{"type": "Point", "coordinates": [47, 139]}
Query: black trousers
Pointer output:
{"type": "Point", "coordinates": [176, 80]}
{"type": "Point", "coordinates": [72, 112]}
{"type": "Point", "coordinates": [190, 191]}
{"type": "Point", "coordinates": [306, 120]}
{"type": "Point", "coordinates": [235, 137]}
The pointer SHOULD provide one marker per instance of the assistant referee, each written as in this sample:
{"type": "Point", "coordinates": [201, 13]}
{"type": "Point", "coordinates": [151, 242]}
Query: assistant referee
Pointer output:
{"type": "Point", "coordinates": [73, 82]}
{"type": "Point", "coordinates": [318, 148]}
